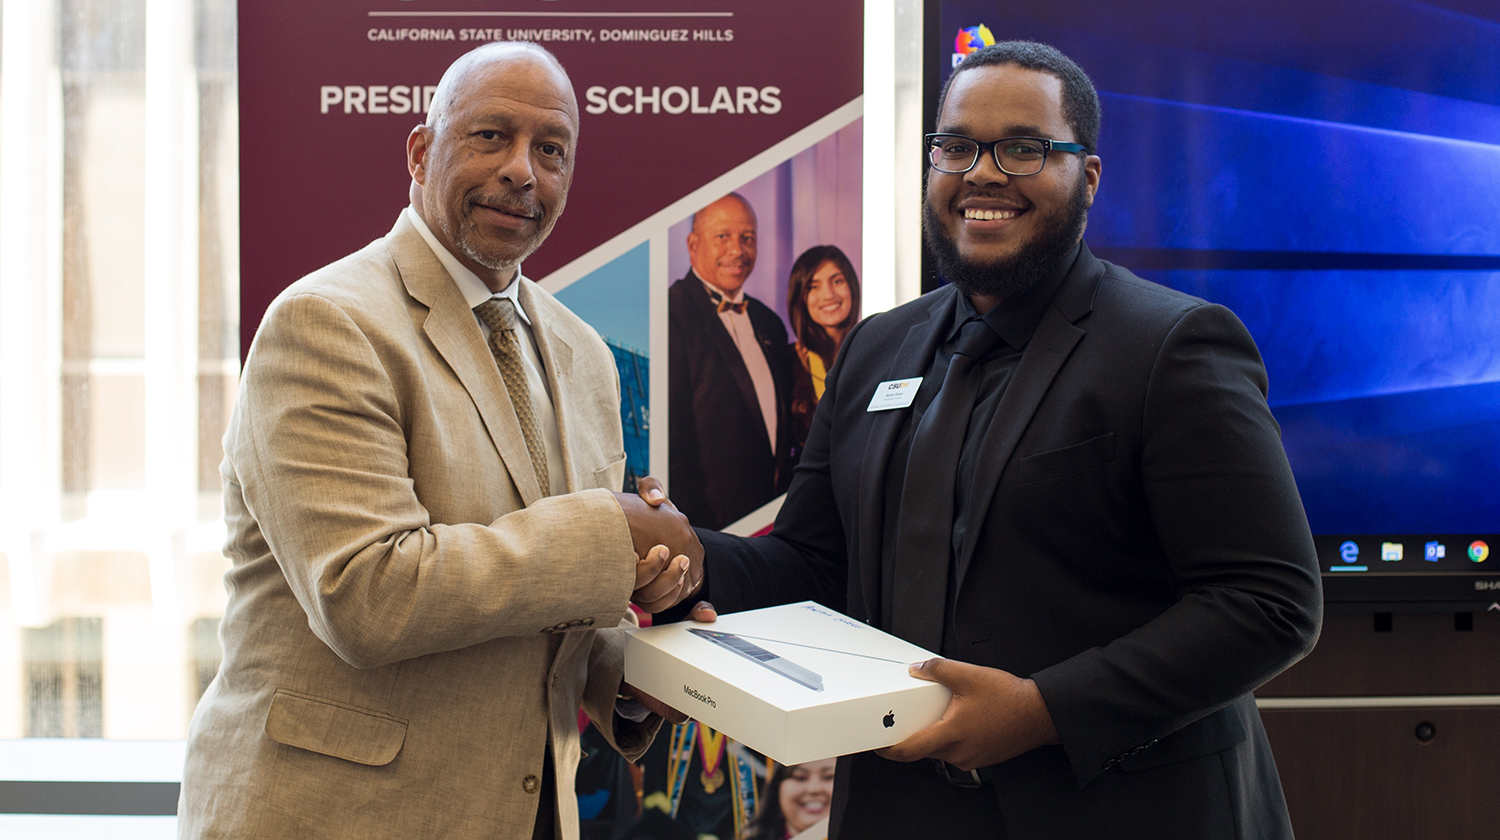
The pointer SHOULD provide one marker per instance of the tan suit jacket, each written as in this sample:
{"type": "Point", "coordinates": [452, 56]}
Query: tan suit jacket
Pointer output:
{"type": "Point", "coordinates": [408, 618]}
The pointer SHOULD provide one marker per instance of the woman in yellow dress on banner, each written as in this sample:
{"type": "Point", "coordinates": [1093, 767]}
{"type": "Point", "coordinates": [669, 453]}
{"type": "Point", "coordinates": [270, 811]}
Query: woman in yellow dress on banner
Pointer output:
{"type": "Point", "coordinates": [823, 304]}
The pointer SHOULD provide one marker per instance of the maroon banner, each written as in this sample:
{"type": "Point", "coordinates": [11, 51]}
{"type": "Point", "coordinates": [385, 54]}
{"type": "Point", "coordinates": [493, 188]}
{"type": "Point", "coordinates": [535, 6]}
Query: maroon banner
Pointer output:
{"type": "Point", "coordinates": [673, 94]}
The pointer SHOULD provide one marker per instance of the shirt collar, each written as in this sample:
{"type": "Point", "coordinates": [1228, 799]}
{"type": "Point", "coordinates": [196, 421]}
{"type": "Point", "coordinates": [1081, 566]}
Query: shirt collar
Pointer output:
{"type": "Point", "coordinates": [469, 285]}
{"type": "Point", "coordinates": [715, 290]}
{"type": "Point", "coordinates": [1017, 318]}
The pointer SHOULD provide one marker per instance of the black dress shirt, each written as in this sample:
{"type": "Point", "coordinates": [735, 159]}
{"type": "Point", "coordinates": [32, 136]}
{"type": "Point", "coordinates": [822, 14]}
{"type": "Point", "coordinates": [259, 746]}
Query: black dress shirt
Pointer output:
{"type": "Point", "coordinates": [1015, 320]}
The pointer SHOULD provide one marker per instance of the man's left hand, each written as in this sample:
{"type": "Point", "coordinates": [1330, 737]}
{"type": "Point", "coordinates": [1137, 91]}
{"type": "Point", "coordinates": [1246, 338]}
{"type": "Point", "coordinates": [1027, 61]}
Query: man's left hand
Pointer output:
{"type": "Point", "coordinates": [656, 706]}
{"type": "Point", "coordinates": [994, 716]}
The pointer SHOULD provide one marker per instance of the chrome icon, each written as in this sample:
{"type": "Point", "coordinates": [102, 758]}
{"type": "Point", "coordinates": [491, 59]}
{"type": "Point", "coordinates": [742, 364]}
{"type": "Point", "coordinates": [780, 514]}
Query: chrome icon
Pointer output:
{"type": "Point", "coordinates": [1478, 551]}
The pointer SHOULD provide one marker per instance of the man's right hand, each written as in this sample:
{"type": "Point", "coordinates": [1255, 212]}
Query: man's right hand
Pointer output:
{"type": "Point", "coordinates": [660, 580]}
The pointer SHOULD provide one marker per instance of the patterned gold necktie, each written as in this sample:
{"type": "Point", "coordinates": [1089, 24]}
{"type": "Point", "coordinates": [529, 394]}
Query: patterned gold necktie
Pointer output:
{"type": "Point", "coordinates": [505, 342]}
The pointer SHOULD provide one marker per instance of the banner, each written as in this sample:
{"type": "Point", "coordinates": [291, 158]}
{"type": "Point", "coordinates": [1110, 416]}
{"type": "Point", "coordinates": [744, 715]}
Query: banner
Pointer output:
{"type": "Point", "coordinates": [674, 96]}
{"type": "Point", "coordinates": [682, 102]}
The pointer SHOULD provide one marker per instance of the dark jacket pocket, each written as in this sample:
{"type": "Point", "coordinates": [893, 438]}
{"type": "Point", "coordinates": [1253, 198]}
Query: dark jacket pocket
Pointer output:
{"type": "Point", "coordinates": [1068, 460]}
{"type": "Point", "coordinates": [1215, 733]}
{"type": "Point", "coordinates": [336, 729]}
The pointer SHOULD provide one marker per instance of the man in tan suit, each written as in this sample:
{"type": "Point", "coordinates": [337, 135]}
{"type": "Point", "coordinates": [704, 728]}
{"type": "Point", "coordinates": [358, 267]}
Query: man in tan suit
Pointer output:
{"type": "Point", "coordinates": [430, 571]}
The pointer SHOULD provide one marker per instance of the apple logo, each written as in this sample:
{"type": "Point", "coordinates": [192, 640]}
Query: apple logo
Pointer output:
{"type": "Point", "coordinates": [890, 719]}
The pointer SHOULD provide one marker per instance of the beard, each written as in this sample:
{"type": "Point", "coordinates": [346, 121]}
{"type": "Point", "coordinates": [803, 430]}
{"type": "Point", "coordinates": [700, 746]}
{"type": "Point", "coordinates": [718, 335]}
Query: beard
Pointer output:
{"type": "Point", "coordinates": [1034, 261]}
{"type": "Point", "coordinates": [466, 238]}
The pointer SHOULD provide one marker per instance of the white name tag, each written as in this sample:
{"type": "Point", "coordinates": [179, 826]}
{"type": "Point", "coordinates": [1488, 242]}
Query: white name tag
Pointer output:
{"type": "Point", "coordinates": [897, 393]}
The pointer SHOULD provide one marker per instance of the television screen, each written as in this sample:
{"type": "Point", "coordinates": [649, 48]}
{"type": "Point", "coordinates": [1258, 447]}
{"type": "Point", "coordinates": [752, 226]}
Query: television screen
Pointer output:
{"type": "Point", "coordinates": [1329, 171]}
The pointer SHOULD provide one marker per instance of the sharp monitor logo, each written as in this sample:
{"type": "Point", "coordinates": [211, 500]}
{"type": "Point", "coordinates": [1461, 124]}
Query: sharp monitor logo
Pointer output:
{"type": "Point", "coordinates": [890, 719]}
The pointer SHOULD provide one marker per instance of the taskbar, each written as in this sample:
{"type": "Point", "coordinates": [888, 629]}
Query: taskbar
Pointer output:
{"type": "Point", "coordinates": [1385, 572]}
{"type": "Point", "coordinates": [1352, 554]}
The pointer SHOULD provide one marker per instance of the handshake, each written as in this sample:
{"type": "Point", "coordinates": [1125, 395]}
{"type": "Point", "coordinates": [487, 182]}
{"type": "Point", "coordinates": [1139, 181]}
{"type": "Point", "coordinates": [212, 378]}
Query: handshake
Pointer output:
{"type": "Point", "coordinates": [668, 565]}
{"type": "Point", "coordinates": [669, 557]}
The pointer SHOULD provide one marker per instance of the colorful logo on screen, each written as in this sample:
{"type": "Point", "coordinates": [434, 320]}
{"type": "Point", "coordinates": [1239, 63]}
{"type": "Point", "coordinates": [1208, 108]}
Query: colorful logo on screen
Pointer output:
{"type": "Point", "coordinates": [971, 39]}
{"type": "Point", "coordinates": [1479, 550]}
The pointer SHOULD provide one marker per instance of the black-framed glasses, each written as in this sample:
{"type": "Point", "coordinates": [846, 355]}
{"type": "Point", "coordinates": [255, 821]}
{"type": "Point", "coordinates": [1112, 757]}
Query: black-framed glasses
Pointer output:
{"type": "Point", "coordinates": [1020, 156]}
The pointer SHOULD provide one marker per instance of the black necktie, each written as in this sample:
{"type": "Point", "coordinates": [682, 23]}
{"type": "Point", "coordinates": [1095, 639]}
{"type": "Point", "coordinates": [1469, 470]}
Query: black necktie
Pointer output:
{"type": "Point", "coordinates": [924, 536]}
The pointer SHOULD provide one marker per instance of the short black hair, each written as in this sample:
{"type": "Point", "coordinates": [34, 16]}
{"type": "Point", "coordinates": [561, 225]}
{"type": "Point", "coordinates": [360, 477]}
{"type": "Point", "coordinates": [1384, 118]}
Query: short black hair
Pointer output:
{"type": "Point", "coordinates": [1080, 102]}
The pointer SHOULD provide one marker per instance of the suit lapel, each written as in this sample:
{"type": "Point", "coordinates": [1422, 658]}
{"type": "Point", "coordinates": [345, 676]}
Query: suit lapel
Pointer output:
{"type": "Point", "coordinates": [910, 360]}
{"type": "Point", "coordinates": [557, 362]}
{"type": "Point", "coordinates": [723, 344]}
{"type": "Point", "coordinates": [451, 327]}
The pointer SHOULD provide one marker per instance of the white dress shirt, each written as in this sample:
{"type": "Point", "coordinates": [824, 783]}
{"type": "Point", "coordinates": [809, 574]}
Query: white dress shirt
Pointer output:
{"type": "Point", "coordinates": [743, 333]}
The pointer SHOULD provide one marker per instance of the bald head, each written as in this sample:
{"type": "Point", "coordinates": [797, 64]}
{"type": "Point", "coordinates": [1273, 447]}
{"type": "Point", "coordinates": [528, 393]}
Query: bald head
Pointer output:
{"type": "Point", "coordinates": [462, 72]}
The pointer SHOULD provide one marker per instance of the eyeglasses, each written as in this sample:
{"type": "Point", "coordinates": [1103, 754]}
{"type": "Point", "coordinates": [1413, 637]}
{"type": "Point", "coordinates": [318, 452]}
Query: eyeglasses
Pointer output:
{"type": "Point", "coordinates": [1020, 156]}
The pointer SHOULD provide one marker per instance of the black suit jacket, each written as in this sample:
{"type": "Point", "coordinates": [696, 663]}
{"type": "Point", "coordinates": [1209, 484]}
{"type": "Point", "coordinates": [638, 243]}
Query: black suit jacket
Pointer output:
{"type": "Point", "coordinates": [1139, 550]}
{"type": "Point", "coordinates": [721, 464]}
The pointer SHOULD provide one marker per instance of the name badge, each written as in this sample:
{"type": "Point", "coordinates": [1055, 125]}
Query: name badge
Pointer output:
{"type": "Point", "coordinates": [897, 393]}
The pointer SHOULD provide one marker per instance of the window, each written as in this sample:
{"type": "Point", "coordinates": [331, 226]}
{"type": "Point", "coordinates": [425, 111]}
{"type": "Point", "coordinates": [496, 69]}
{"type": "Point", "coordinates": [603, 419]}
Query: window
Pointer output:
{"type": "Point", "coordinates": [63, 676]}
{"type": "Point", "coordinates": [118, 359]}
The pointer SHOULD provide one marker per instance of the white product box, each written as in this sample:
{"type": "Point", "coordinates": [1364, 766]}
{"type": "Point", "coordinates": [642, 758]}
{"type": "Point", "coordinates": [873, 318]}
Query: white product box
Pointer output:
{"type": "Point", "coordinates": [798, 682]}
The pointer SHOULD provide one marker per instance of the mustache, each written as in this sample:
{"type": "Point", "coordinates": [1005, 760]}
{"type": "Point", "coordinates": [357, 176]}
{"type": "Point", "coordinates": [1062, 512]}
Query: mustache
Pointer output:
{"type": "Point", "coordinates": [515, 204]}
{"type": "Point", "coordinates": [992, 194]}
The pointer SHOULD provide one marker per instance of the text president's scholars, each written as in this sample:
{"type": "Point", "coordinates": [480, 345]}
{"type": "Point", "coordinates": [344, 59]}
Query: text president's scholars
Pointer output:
{"type": "Point", "coordinates": [621, 99]}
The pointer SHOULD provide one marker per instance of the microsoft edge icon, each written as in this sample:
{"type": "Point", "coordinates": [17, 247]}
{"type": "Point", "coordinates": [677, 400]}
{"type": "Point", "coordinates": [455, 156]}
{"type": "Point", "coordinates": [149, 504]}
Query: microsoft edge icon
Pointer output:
{"type": "Point", "coordinates": [1349, 552]}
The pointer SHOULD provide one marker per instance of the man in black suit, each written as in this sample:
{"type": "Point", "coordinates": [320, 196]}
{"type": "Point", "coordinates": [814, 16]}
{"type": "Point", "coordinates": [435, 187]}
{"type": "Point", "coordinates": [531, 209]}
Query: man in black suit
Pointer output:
{"type": "Point", "coordinates": [731, 376]}
{"type": "Point", "coordinates": [1082, 502]}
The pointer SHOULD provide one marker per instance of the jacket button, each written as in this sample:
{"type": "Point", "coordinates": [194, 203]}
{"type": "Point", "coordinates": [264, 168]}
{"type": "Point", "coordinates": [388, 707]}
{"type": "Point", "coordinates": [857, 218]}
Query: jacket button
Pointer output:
{"type": "Point", "coordinates": [531, 784]}
{"type": "Point", "coordinates": [587, 622]}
